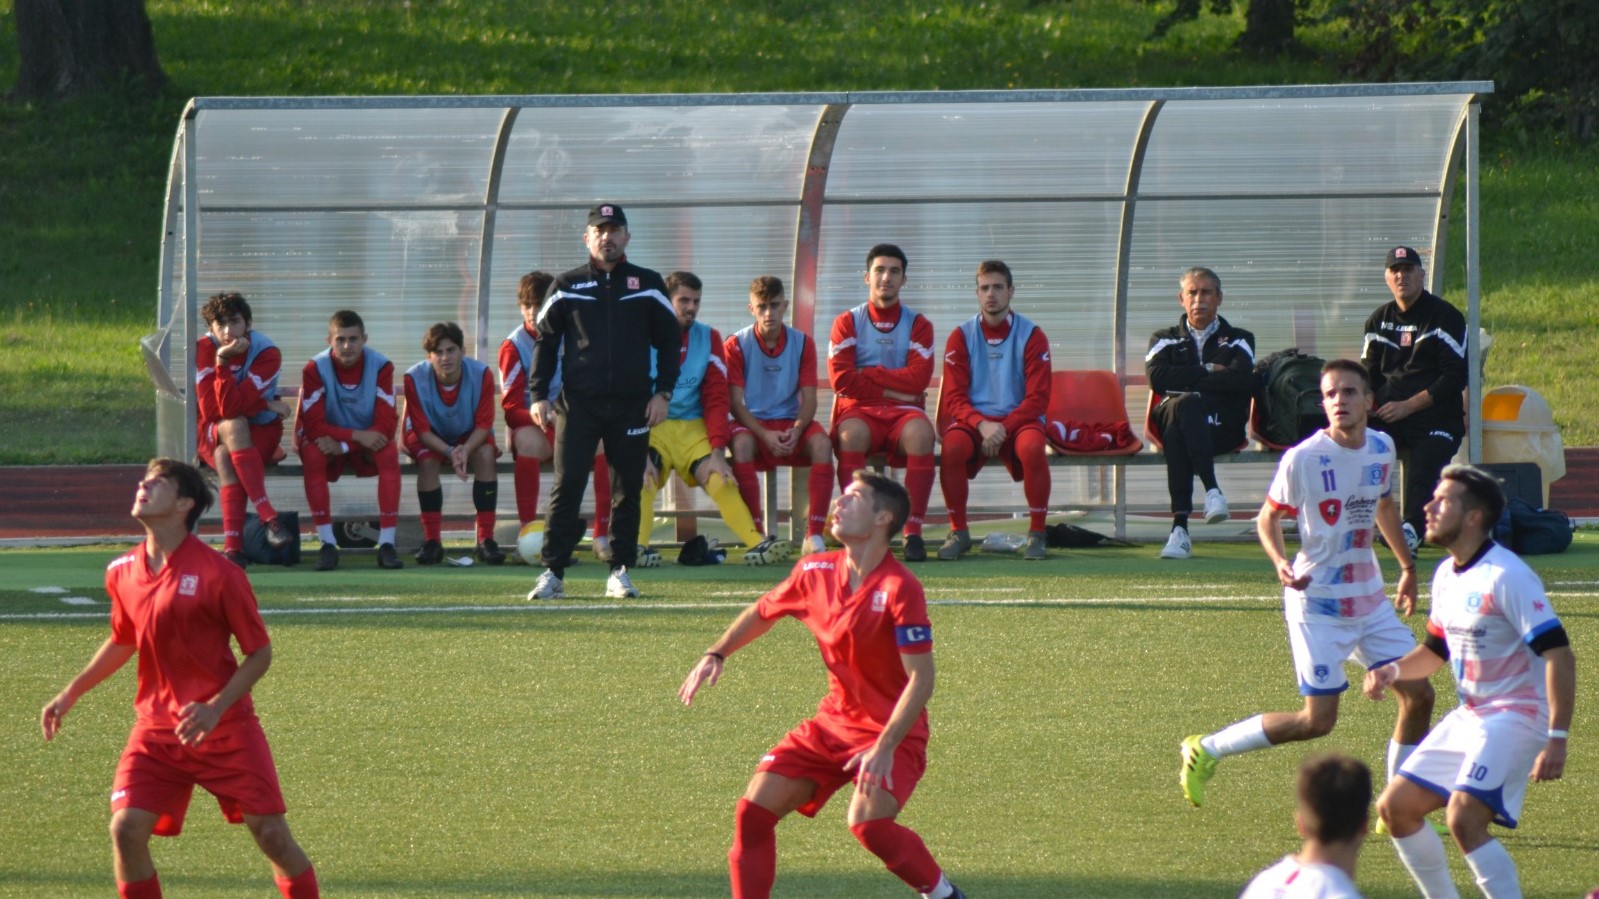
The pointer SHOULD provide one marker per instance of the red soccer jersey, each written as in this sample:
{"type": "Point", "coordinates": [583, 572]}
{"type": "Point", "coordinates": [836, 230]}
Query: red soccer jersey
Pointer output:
{"type": "Point", "coordinates": [312, 420]}
{"type": "Point", "coordinates": [957, 384]}
{"type": "Point", "coordinates": [221, 396]}
{"type": "Point", "coordinates": [854, 385]}
{"type": "Point", "coordinates": [180, 621]}
{"type": "Point", "coordinates": [861, 636]}
{"type": "Point", "coordinates": [737, 365]}
{"type": "Point", "coordinates": [416, 418]}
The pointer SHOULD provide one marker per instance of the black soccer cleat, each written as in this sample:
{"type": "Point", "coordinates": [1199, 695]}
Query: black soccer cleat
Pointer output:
{"type": "Point", "coordinates": [915, 549]}
{"type": "Point", "coordinates": [388, 557]}
{"type": "Point", "coordinates": [431, 553]}
{"type": "Point", "coordinates": [488, 552]}
{"type": "Point", "coordinates": [276, 533]}
{"type": "Point", "coordinates": [327, 558]}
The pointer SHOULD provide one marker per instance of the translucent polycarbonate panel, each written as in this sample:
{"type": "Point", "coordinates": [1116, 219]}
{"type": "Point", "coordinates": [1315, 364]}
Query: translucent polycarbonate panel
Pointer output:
{"type": "Point", "coordinates": [725, 247]}
{"type": "Point", "coordinates": [678, 154]}
{"type": "Point", "coordinates": [401, 271]}
{"type": "Point", "coordinates": [1265, 146]}
{"type": "Point", "coordinates": [984, 150]}
{"type": "Point", "coordinates": [1062, 258]}
{"type": "Point", "coordinates": [350, 157]}
{"type": "Point", "coordinates": [1300, 273]}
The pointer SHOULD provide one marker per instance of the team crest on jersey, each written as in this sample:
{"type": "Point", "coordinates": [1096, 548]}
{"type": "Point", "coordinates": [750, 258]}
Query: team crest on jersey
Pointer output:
{"type": "Point", "coordinates": [879, 600]}
{"type": "Point", "coordinates": [1473, 601]}
{"type": "Point", "coordinates": [1406, 338]}
{"type": "Point", "coordinates": [1330, 510]}
{"type": "Point", "coordinates": [189, 585]}
{"type": "Point", "coordinates": [1372, 475]}
{"type": "Point", "coordinates": [1320, 673]}
{"type": "Point", "coordinates": [632, 283]}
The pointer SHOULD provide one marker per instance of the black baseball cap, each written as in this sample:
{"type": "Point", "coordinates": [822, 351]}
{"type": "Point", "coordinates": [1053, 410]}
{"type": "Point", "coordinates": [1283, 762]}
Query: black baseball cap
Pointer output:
{"type": "Point", "coordinates": [1396, 256]}
{"type": "Point", "coordinates": [607, 212]}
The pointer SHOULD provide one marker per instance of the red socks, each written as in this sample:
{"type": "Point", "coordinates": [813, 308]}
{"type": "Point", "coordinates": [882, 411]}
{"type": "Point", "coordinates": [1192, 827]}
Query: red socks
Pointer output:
{"type": "Point", "coordinates": [848, 464]}
{"type": "Point", "coordinates": [527, 489]}
{"type": "Point", "coordinates": [958, 450]}
{"type": "Point", "coordinates": [140, 889]}
{"type": "Point", "coordinates": [752, 862]}
{"type": "Point", "coordinates": [300, 886]}
{"type": "Point", "coordinates": [919, 484]}
{"type": "Point", "coordinates": [901, 850]}
{"type": "Point", "coordinates": [1035, 476]}
{"type": "Point", "coordinates": [388, 459]}
{"type": "Point", "coordinates": [315, 463]}
{"type": "Point", "coordinates": [252, 474]}
{"type": "Point", "coordinates": [821, 497]}
{"type": "Point", "coordinates": [749, 488]}
{"type": "Point", "coordinates": [602, 497]}
{"type": "Point", "coordinates": [232, 501]}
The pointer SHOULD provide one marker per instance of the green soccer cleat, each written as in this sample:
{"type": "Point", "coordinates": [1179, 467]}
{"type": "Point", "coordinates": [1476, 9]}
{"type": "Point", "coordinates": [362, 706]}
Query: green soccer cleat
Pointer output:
{"type": "Point", "coordinates": [1198, 768]}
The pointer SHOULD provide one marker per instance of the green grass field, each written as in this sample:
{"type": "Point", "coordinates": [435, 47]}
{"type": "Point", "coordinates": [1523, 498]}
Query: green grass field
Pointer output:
{"type": "Point", "coordinates": [439, 736]}
{"type": "Point", "coordinates": [81, 183]}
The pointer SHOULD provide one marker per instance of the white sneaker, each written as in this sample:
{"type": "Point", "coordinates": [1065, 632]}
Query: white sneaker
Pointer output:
{"type": "Point", "coordinates": [1215, 507]}
{"type": "Point", "coordinates": [1412, 541]}
{"type": "Point", "coordinates": [619, 585]}
{"type": "Point", "coordinates": [548, 586]}
{"type": "Point", "coordinates": [1178, 546]}
{"type": "Point", "coordinates": [813, 544]}
{"type": "Point", "coordinates": [767, 552]}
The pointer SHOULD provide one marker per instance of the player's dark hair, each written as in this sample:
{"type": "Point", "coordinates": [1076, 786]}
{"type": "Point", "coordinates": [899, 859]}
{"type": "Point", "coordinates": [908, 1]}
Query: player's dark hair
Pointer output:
{"type": "Point", "coordinates": [188, 481]}
{"type": "Point", "coordinates": [1482, 492]}
{"type": "Point", "coordinates": [1351, 366]}
{"type": "Point", "coordinates": [994, 267]}
{"type": "Point", "coordinates": [1199, 271]}
{"type": "Point", "coordinates": [682, 279]}
{"type": "Point", "coordinates": [346, 318]}
{"type": "Point", "coordinates": [887, 249]}
{"type": "Point", "coordinates": [443, 331]}
{"type": "Point", "coordinates": [531, 289]}
{"type": "Point", "coordinates": [766, 287]}
{"type": "Point", "coordinates": [1334, 797]}
{"type": "Point", "coordinates": [887, 496]}
{"type": "Point", "coordinates": [223, 306]}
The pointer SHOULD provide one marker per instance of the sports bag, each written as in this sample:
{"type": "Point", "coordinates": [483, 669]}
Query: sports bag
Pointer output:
{"type": "Point", "coordinates": [1290, 396]}
{"type": "Point", "coordinates": [259, 550]}
{"type": "Point", "coordinates": [1538, 532]}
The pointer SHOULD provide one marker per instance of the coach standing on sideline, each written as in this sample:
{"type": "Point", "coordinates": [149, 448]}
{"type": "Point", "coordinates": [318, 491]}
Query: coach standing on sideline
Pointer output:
{"type": "Point", "coordinates": [1414, 350]}
{"type": "Point", "coordinates": [600, 321]}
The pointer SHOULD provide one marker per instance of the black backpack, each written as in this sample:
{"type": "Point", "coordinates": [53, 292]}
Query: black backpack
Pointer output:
{"type": "Point", "coordinates": [1537, 532]}
{"type": "Point", "coordinates": [260, 551]}
{"type": "Point", "coordinates": [1290, 396]}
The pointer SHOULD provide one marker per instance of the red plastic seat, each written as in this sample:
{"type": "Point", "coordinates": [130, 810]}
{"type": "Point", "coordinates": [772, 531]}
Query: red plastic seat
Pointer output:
{"type": "Point", "coordinates": [1088, 396]}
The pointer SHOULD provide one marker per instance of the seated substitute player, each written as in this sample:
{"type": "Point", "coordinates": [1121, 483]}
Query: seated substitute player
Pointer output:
{"type": "Point", "coordinates": [691, 439]}
{"type": "Point", "coordinates": [996, 390]}
{"type": "Point", "coordinates": [531, 445]}
{"type": "Point", "coordinates": [177, 604]}
{"type": "Point", "coordinates": [771, 388]}
{"type": "Point", "coordinates": [880, 362]}
{"type": "Point", "coordinates": [240, 415]}
{"type": "Point", "coordinates": [346, 421]}
{"type": "Point", "coordinates": [869, 616]}
{"type": "Point", "coordinates": [1517, 679]}
{"type": "Point", "coordinates": [1334, 805]}
{"type": "Point", "coordinates": [449, 416]}
{"type": "Point", "coordinates": [1338, 482]}
{"type": "Point", "coordinates": [1203, 369]}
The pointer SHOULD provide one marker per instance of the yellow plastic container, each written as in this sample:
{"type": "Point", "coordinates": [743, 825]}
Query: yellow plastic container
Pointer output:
{"type": "Point", "coordinates": [1517, 426]}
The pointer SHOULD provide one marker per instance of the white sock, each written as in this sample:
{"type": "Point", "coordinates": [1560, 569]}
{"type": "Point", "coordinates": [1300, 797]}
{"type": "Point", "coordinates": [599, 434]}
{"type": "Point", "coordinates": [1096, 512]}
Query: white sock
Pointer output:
{"type": "Point", "coordinates": [943, 890]}
{"type": "Point", "coordinates": [1397, 753]}
{"type": "Point", "coordinates": [385, 535]}
{"type": "Point", "coordinates": [1422, 854]}
{"type": "Point", "coordinates": [1496, 873]}
{"type": "Point", "coordinates": [324, 532]}
{"type": "Point", "coordinates": [1247, 735]}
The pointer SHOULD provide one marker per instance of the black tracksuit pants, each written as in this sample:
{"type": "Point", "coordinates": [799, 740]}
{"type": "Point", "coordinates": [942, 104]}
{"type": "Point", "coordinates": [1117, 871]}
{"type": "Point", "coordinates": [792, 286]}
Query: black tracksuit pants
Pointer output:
{"type": "Point", "coordinates": [1424, 445]}
{"type": "Point", "coordinates": [582, 424]}
{"type": "Point", "coordinates": [1195, 428]}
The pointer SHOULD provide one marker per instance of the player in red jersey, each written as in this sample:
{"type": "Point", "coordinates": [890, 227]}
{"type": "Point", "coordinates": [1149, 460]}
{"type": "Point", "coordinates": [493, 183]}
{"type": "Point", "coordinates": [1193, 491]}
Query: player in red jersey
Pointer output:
{"type": "Point", "coordinates": [869, 617]}
{"type": "Point", "coordinates": [177, 604]}
{"type": "Point", "coordinates": [346, 422]}
{"type": "Point", "coordinates": [449, 420]}
{"type": "Point", "coordinates": [240, 415]}
{"type": "Point", "coordinates": [880, 360]}
{"type": "Point", "coordinates": [771, 386]}
{"type": "Point", "coordinates": [997, 386]}
{"type": "Point", "coordinates": [532, 445]}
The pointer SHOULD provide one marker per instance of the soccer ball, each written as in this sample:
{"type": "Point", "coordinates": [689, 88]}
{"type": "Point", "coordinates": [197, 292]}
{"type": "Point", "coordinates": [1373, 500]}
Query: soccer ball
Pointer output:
{"type": "Point", "coordinates": [530, 542]}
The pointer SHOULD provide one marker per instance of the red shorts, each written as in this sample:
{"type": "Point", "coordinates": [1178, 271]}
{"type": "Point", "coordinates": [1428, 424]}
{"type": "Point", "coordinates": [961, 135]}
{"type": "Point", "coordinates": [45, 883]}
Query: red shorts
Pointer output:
{"type": "Point", "coordinates": [813, 752]}
{"type": "Point", "coordinates": [267, 440]}
{"type": "Point", "coordinates": [418, 451]}
{"type": "Point", "coordinates": [234, 764]}
{"type": "Point", "coordinates": [765, 461]}
{"type": "Point", "coordinates": [886, 423]}
{"type": "Point", "coordinates": [1007, 450]}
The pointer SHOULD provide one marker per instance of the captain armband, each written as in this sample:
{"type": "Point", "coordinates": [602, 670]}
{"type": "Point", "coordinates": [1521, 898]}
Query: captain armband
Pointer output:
{"type": "Point", "coordinates": [1436, 645]}
{"type": "Point", "coordinates": [1553, 638]}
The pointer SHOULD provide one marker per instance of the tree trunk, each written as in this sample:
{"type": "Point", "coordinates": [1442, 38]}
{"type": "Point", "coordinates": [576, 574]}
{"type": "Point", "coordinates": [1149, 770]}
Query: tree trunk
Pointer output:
{"type": "Point", "coordinates": [67, 47]}
{"type": "Point", "coordinates": [1268, 27]}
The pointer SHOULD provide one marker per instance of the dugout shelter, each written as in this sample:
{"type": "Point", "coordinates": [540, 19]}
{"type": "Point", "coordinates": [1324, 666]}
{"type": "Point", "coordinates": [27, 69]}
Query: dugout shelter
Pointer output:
{"type": "Point", "coordinates": [412, 210]}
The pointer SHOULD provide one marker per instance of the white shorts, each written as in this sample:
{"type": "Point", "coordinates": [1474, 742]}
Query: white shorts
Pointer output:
{"type": "Point", "coordinates": [1322, 644]}
{"type": "Point", "coordinates": [1488, 756]}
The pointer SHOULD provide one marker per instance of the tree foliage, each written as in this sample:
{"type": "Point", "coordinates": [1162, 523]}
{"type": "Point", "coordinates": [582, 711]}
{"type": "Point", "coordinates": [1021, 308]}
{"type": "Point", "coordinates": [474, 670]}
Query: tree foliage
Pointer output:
{"type": "Point", "coordinates": [1268, 24]}
{"type": "Point", "coordinates": [68, 47]}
